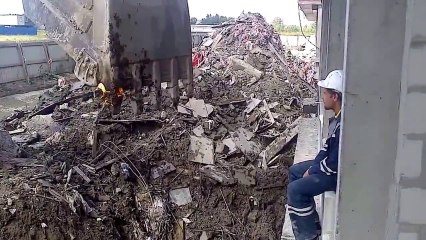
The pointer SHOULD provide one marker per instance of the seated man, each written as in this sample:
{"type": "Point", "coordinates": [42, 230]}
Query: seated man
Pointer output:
{"type": "Point", "coordinates": [312, 178]}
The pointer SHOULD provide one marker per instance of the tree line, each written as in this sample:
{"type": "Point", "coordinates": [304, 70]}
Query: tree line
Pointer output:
{"type": "Point", "coordinates": [282, 28]}
{"type": "Point", "coordinates": [211, 19]}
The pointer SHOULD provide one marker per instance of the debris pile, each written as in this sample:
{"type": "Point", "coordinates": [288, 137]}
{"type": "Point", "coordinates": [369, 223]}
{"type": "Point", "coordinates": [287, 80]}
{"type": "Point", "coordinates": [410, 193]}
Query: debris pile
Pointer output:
{"type": "Point", "coordinates": [213, 167]}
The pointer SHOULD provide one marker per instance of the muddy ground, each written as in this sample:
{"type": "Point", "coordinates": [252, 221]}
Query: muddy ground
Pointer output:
{"type": "Point", "coordinates": [228, 212]}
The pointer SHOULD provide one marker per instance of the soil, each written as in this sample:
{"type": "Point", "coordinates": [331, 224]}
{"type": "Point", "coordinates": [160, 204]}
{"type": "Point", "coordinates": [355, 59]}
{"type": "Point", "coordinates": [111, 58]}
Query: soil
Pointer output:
{"type": "Point", "coordinates": [23, 86]}
{"type": "Point", "coordinates": [115, 198]}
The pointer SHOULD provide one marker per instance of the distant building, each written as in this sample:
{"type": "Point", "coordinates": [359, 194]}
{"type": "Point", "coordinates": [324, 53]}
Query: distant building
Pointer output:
{"type": "Point", "coordinates": [12, 19]}
{"type": "Point", "coordinates": [199, 32]}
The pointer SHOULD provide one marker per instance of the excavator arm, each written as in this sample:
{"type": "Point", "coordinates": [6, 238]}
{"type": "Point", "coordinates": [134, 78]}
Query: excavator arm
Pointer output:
{"type": "Point", "coordinates": [125, 44]}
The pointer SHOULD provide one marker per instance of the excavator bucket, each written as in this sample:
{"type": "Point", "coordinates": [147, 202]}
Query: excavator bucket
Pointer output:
{"type": "Point", "coordinates": [123, 44]}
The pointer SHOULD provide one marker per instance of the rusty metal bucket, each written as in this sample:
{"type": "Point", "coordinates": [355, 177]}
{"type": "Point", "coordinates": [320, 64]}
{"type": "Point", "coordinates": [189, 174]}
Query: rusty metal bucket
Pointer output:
{"type": "Point", "coordinates": [122, 44]}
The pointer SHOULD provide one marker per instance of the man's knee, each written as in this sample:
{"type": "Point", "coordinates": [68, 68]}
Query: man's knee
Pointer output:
{"type": "Point", "coordinates": [300, 168]}
{"type": "Point", "coordinates": [293, 170]}
{"type": "Point", "coordinates": [297, 170]}
{"type": "Point", "coordinates": [294, 191]}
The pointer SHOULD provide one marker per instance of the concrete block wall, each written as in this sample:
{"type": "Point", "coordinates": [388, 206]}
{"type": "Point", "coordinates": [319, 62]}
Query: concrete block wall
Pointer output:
{"type": "Point", "coordinates": [408, 215]}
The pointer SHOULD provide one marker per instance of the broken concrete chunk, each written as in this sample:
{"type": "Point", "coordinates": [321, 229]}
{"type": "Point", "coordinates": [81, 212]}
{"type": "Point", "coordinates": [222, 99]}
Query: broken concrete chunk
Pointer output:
{"type": "Point", "coordinates": [208, 42]}
{"type": "Point", "coordinates": [198, 131]}
{"type": "Point", "coordinates": [37, 146]}
{"type": "Point", "coordinates": [162, 170]}
{"type": "Point", "coordinates": [252, 217]}
{"type": "Point", "coordinates": [26, 138]}
{"type": "Point", "coordinates": [273, 105]}
{"type": "Point", "coordinates": [90, 115]}
{"type": "Point", "coordinates": [250, 149]}
{"type": "Point", "coordinates": [196, 72]}
{"type": "Point", "coordinates": [270, 105]}
{"type": "Point", "coordinates": [280, 142]}
{"type": "Point", "coordinates": [76, 85]}
{"type": "Point", "coordinates": [245, 176]}
{"type": "Point", "coordinates": [201, 150]}
{"type": "Point", "coordinates": [181, 84]}
{"type": "Point", "coordinates": [206, 235]}
{"type": "Point", "coordinates": [217, 174]}
{"type": "Point", "coordinates": [64, 106]}
{"type": "Point", "coordinates": [252, 104]}
{"type": "Point", "coordinates": [17, 131]}
{"type": "Point", "coordinates": [258, 50]}
{"type": "Point", "coordinates": [43, 125]}
{"type": "Point", "coordinates": [184, 110]}
{"type": "Point", "coordinates": [181, 196]}
{"type": "Point", "coordinates": [7, 145]}
{"type": "Point", "coordinates": [230, 144]}
{"type": "Point", "coordinates": [199, 108]}
{"type": "Point", "coordinates": [54, 139]}
{"type": "Point", "coordinates": [220, 147]}
{"type": "Point", "coordinates": [163, 115]}
{"type": "Point", "coordinates": [253, 80]}
{"type": "Point", "coordinates": [79, 206]}
{"type": "Point", "coordinates": [217, 40]}
{"type": "Point", "coordinates": [246, 133]}
{"type": "Point", "coordinates": [238, 64]}
{"type": "Point", "coordinates": [276, 115]}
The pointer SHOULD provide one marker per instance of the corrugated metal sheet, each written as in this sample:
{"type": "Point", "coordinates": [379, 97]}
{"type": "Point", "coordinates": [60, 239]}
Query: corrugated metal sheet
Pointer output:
{"type": "Point", "coordinates": [32, 59]}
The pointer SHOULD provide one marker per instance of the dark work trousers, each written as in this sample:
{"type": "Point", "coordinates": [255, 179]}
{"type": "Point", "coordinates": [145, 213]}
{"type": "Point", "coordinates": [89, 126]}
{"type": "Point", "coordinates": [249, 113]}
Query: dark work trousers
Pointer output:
{"type": "Point", "coordinates": [300, 200]}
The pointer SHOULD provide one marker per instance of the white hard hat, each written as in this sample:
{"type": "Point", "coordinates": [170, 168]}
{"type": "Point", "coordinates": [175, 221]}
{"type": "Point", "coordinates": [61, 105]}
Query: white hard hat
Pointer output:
{"type": "Point", "coordinates": [333, 81]}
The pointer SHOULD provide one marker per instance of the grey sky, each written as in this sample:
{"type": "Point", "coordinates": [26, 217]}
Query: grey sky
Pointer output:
{"type": "Point", "coordinates": [11, 7]}
{"type": "Point", "coordinates": [286, 9]}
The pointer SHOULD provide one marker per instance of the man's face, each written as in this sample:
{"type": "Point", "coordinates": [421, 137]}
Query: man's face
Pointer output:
{"type": "Point", "coordinates": [329, 98]}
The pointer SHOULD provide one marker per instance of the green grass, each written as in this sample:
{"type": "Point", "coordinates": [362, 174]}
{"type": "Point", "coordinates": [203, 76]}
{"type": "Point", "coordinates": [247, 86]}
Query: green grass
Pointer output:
{"type": "Point", "coordinates": [41, 35]}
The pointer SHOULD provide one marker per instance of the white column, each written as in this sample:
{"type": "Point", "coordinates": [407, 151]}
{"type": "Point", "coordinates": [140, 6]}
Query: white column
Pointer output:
{"type": "Point", "coordinates": [373, 65]}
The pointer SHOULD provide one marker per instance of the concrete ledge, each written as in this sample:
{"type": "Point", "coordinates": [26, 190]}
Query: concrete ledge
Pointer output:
{"type": "Point", "coordinates": [307, 140]}
{"type": "Point", "coordinates": [329, 216]}
{"type": "Point", "coordinates": [306, 149]}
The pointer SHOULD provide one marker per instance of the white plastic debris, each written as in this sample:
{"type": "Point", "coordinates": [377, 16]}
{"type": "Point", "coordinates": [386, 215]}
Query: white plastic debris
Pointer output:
{"type": "Point", "coordinates": [252, 104]}
{"type": "Point", "coordinates": [181, 196]}
{"type": "Point", "coordinates": [199, 108]}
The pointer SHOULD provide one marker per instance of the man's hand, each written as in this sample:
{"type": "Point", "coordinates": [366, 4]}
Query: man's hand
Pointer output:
{"type": "Point", "coordinates": [306, 174]}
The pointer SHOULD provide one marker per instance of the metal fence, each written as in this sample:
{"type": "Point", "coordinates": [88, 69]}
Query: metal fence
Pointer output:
{"type": "Point", "coordinates": [27, 60]}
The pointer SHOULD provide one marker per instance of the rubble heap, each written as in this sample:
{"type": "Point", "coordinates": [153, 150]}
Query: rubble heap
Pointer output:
{"type": "Point", "coordinates": [213, 167]}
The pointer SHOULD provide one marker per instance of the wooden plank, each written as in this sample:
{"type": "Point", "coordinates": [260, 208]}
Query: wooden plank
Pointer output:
{"type": "Point", "coordinates": [105, 164]}
{"type": "Point", "coordinates": [82, 174]}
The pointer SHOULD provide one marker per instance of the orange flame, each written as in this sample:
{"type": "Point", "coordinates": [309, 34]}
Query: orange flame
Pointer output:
{"type": "Point", "coordinates": [119, 92]}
